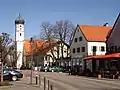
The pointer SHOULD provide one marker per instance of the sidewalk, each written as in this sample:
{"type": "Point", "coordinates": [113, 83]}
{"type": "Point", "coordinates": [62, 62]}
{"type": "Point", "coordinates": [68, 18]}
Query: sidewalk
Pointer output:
{"type": "Point", "coordinates": [22, 85]}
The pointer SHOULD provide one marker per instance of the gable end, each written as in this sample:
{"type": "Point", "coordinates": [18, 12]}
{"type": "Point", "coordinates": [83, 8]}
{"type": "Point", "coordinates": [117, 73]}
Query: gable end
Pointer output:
{"type": "Point", "coordinates": [112, 28]}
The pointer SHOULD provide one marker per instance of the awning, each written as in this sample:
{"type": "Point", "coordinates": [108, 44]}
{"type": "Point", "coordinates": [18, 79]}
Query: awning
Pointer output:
{"type": "Point", "coordinates": [107, 56]}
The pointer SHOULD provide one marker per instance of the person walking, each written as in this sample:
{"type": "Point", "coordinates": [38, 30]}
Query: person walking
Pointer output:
{"type": "Point", "coordinates": [69, 71]}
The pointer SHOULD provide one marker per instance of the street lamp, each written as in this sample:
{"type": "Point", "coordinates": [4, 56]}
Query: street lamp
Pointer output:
{"type": "Point", "coordinates": [31, 43]}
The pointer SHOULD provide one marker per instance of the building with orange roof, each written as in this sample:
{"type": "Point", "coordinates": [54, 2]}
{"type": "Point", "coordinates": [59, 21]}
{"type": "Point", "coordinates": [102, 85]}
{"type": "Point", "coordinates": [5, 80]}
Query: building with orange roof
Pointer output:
{"type": "Point", "coordinates": [112, 57]}
{"type": "Point", "coordinates": [88, 40]}
{"type": "Point", "coordinates": [45, 53]}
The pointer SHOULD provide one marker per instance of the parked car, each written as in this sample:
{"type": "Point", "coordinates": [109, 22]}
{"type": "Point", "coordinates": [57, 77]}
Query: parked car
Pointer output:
{"type": "Point", "coordinates": [44, 68]}
{"type": "Point", "coordinates": [59, 69]}
{"type": "Point", "coordinates": [66, 69]}
{"type": "Point", "coordinates": [52, 69]}
{"type": "Point", "coordinates": [11, 74]}
{"type": "Point", "coordinates": [56, 69]}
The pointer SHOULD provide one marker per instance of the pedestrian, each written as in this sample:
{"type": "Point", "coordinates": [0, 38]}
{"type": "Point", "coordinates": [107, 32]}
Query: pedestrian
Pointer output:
{"type": "Point", "coordinates": [69, 71]}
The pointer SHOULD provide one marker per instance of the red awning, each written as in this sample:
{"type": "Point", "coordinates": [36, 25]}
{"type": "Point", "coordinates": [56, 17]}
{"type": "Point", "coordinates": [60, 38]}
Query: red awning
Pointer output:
{"type": "Point", "coordinates": [107, 56]}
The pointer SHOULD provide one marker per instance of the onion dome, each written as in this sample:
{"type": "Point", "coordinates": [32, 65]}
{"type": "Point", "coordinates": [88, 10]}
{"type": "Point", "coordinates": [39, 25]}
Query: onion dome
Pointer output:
{"type": "Point", "coordinates": [19, 20]}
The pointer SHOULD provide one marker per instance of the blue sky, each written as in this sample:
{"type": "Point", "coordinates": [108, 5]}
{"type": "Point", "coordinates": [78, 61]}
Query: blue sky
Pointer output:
{"type": "Point", "coordinates": [93, 12]}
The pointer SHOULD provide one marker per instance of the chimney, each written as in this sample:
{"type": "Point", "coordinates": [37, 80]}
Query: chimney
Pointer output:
{"type": "Point", "coordinates": [106, 24]}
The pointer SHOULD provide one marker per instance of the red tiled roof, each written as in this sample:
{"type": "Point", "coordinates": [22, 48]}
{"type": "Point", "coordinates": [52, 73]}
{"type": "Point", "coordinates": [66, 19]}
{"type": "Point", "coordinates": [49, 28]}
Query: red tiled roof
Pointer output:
{"type": "Point", "coordinates": [41, 45]}
{"type": "Point", "coordinates": [95, 33]}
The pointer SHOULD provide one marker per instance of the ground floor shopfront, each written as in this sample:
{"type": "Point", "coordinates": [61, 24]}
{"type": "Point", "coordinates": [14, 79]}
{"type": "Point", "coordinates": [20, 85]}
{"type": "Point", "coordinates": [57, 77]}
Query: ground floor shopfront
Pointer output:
{"type": "Point", "coordinates": [107, 65]}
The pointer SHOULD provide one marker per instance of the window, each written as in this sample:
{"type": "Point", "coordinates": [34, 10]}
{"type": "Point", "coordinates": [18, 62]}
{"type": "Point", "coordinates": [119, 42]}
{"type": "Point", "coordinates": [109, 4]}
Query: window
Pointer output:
{"type": "Point", "coordinates": [80, 38]}
{"type": "Point", "coordinates": [102, 48]}
{"type": "Point", "coordinates": [78, 49]}
{"type": "Point", "coordinates": [20, 34]}
{"type": "Point", "coordinates": [83, 49]}
{"type": "Point", "coordinates": [75, 39]}
{"type": "Point", "coordinates": [94, 48]}
{"type": "Point", "coordinates": [118, 49]}
{"type": "Point", "coordinates": [20, 25]}
{"type": "Point", "coordinates": [73, 50]}
{"type": "Point", "coordinates": [115, 48]}
{"type": "Point", "coordinates": [111, 49]}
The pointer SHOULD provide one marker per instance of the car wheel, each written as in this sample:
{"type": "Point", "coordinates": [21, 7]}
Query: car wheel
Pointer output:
{"type": "Point", "coordinates": [14, 78]}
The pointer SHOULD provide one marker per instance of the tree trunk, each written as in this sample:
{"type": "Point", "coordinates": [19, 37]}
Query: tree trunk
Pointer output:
{"type": "Point", "coordinates": [1, 72]}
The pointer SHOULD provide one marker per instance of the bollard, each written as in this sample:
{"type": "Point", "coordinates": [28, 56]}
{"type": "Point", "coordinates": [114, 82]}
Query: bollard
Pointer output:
{"type": "Point", "coordinates": [48, 84]}
{"type": "Point", "coordinates": [39, 80]}
{"type": "Point", "coordinates": [36, 79]}
{"type": "Point", "coordinates": [44, 83]}
{"type": "Point", "coordinates": [51, 87]}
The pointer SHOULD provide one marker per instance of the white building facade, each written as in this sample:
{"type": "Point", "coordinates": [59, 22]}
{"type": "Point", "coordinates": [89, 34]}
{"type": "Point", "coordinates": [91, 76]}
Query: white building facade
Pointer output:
{"type": "Point", "coordinates": [48, 59]}
{"type": "Point", "coordinates": [85, 43]}
{"type": "Point", "coordinates": [19, 38]}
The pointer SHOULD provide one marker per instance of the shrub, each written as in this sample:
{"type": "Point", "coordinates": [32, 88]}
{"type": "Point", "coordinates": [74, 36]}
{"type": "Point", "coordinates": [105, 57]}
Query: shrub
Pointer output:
{"type": "Point", "coordinates": [5, 83]}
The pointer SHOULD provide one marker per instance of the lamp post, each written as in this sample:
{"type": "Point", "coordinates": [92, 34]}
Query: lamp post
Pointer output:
{"type": "Point", "coordinates": [31, 43]}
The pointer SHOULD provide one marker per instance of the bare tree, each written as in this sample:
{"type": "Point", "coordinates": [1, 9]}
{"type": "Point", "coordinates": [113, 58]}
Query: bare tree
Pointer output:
{"type": "Point", "coordinates": [48, 34]}
{"type": "Point", "coordinates": [12, 54]}
{"type": "Point", "coordinates": [62, 31]}
{"type": "Point", "coordinates": [6, 45]}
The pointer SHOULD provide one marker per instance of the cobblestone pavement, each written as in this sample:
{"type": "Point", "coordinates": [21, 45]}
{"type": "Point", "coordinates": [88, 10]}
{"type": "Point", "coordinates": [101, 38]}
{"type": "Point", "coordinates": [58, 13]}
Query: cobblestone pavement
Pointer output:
{"type": "Point", "coordinates": [65, 82]}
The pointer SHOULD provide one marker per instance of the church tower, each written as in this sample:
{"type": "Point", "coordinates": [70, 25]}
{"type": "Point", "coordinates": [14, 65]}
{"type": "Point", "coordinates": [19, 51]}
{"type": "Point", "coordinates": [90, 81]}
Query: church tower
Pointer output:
{"type": "Point", "coordinates": [19, 38]}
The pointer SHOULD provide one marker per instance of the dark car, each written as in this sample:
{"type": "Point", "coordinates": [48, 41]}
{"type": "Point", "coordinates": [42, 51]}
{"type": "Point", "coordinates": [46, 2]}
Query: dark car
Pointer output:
{"type": "Point", "coordinates": [11, 74]}
{"type": "Point", "coordinates": [44, 69]}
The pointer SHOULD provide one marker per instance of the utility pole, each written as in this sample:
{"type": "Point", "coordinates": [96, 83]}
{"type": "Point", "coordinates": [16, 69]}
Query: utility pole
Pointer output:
{"type": "Point", "coordinates": [31, 43]}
